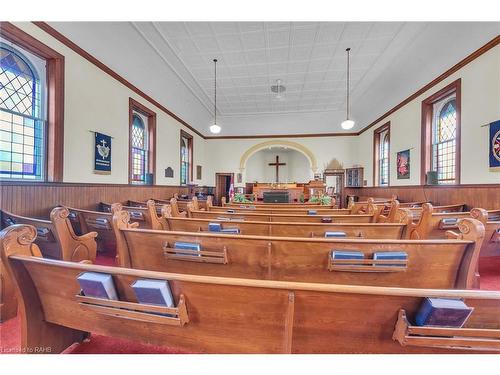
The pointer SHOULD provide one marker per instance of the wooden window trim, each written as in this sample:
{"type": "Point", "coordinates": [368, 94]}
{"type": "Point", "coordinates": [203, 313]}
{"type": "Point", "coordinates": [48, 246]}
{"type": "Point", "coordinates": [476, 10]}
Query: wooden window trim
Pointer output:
{"type": "Point", "coordinates": [376, 147]}
{"type": "Point", "coordinates": [151, 116]}
{"type": "Point", "coordinates": [426, 128]}
{"type": "Point", "coordinates": [54, 157]}
{"type": "Point", "coordinates": [189, 137]}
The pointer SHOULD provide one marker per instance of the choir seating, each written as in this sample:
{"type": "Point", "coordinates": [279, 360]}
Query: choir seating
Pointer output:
{"type": "Point", "coordinates": [370, 216]}
{"type": "Point", "coordinates": [55, 239]}
{"type": "Point", "coordinates": [434, 264]}
{"type": "Point", "coordinates": [396, 229]}
{"type": "Point", "coordinates": [232, 315]}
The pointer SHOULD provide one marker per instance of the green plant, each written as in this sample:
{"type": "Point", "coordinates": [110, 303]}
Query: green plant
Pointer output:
{"type": "Point", "coordinates": [301, 199]}
{"type": "Point", "coordinates": [240, 198]}
{"type": "Point", "coordinates": [324, 200]}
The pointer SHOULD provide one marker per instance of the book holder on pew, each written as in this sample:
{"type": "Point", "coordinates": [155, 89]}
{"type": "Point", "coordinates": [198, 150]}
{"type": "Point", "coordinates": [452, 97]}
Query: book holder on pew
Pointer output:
{"type": "Point", "coordinates": [98, 223]}
{"type": "Point", "coordinates": [202, 256]}
{"type": "Point", "coordinates": [174, 316]}
{"type": "Point", "coordinates": [442, 337]}
{"type": "Point", "coordinates": [367, 265]}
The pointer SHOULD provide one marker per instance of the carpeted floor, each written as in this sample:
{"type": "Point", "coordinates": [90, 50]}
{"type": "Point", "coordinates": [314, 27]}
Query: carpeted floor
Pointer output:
{"type": "Point", "coordinates": [10, 335]}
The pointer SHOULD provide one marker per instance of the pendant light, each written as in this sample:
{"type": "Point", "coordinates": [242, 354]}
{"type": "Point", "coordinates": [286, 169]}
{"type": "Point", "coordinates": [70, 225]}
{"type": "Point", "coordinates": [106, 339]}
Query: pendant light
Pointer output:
{"type": "Point", "coordinates": [214, 128]}
{"type": "Point", "coordinates": [347, 123]}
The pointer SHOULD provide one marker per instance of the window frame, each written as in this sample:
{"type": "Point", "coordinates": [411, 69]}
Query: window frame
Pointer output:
{"type": "Point", "coordinates": [135, 106]}
{"type": "Point", "coordinates": [189, 137]}
{"type": "Point", "coordinates": [427, 130]}
{"type": "Point", "coordinates": [376, 153]}
{"type": "Point", "coordinates": [54, 152]}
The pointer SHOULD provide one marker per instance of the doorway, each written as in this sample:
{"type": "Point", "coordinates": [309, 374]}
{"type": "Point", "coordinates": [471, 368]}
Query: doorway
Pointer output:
{"type": "Point", "coordinates": [222, 185]}
{"type": "Point", "coordinates": [334, 180]}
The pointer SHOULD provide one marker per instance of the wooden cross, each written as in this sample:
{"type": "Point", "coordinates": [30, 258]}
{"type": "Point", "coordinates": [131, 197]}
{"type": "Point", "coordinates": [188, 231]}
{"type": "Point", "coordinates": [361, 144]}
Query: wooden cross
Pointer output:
{"type": "Point", "coordinates": [277, 165]}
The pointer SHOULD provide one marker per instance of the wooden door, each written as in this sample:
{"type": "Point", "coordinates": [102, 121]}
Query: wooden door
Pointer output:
{"type": "Point", "coordinates": [336, 179]}
{"type": "Point", "coordinates": [222, 185]}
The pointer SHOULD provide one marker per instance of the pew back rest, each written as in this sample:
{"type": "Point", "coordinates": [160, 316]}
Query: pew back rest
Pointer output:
{"type": "Point", "coordinates": [292, 229]}
{"type": "Point", "coordinates": [56, 238]}
{"type": "Point", "coordinates": [440, 264]}
{"type": "Point", "coordinates": [296, 317]}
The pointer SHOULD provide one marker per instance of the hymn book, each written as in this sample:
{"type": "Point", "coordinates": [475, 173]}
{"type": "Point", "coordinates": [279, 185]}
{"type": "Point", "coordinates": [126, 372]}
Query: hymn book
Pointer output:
{"type": "Point", "coordinates": [153, 292]}
{"type": "Point", "coordinates": [390, 255]}
{"type": "Point", "coordinates": [443, 312]}
{"type": "Point", "coordinates": [98, 285]}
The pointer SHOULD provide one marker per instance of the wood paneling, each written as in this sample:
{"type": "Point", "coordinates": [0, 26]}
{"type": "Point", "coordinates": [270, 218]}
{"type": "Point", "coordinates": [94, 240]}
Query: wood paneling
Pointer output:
{"type": "Point", "coordinates": [480, 196]}
{"type": "Point", "coordinates": [38, 199]}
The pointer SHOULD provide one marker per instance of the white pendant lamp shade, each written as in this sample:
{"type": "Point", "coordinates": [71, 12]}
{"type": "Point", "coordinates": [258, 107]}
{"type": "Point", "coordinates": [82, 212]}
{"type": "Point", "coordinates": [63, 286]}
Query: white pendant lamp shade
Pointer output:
{"type": "Point", "coordinates": [347, 123]}
{"type": "Point", "coordinates": [214, 128]}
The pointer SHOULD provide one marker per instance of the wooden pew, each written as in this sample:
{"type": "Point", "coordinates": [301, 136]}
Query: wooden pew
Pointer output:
{"type": "Point", "coordinates": [85, 221]}
{"type": "Point", "coordinates": [55, 239]}
{"type": "Point", "coordinates": [436, 264]}
{"type": "Point", "coordinates": [145, 215]}
{"type": "Point", "coordinates": [213, 314]}
{"type": "Point", "coordinates": [370, 216]}
{"type": "Point", "coordinates": [491, 222]}
{"type": "Point", "coordinates": [392, 230]}
{"type": "Point", "coordinates": [276, 205]}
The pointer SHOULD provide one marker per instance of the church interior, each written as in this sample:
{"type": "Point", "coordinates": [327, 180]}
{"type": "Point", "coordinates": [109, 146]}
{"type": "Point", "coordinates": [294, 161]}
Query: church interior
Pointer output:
{"type": "Point", "coordinates": [180, 187]}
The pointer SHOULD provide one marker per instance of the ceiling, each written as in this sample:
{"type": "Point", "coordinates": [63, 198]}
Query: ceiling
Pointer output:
{"type": "Point", "coordinates": [172, 62]}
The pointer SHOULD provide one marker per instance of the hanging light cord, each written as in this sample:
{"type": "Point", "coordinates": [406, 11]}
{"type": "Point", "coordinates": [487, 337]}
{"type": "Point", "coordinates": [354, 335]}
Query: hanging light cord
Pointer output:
{"type": "Point", "coordinates": [348, 78]}
{"type": "Point", "coordinates": [215, 90]}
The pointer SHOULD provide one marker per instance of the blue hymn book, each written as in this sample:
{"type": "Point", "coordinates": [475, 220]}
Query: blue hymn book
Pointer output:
{"type": "Point", "coordinates": [214, 227]}
{"type": "Point", "coordinates": [153, 292]}
{"type": "Point", "coordinates": [187, 246]}
{"type": "Point", "coordinates": [390, 255]}
{"type": "Point", "coordinates": [443, 312]}
{"type": "Point", "coordinates": [341, 254]}
{"type": "Point", "coordinates": [335, 234]}
{"type": "Point", "coordinates": [311, 212]}
{"type": "Point", "coordinates": [98, 285]}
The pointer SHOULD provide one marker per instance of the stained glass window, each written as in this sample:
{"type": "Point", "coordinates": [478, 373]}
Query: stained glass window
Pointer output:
{"type": "Point", "coordinates": [185, 160]}
{"type": "Point", "coordinates": [139, 143]}
{"type": "Point", "coordinates": [22, 127]}
{"type": "Point", "coordinates": [444, 133]}
{"type": "Point", "coordinates": [384, 158]}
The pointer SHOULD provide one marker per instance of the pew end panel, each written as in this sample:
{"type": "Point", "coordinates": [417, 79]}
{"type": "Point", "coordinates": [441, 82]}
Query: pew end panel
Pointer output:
{"type": "Point", "coordinates": [38, 335]}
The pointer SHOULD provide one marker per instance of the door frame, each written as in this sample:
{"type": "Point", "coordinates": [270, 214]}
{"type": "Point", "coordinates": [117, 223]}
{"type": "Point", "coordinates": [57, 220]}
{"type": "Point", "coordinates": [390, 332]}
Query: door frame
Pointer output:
{"type": "Point", "coordinates": [341, 174]}
{"type": "Point", "coordinates": [218, 192]}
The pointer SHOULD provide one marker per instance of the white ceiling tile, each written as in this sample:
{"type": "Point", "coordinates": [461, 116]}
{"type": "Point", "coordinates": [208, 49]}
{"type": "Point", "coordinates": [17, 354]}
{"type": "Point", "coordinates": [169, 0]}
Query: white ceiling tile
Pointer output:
{"type": "Point", "coordinates": [278, 55]}
{"type": "Point", "coordinates": [230, 42]}
{"type": "Point", "coordinates": [279, 38]}
{"type": "Point", "coordinates": [225, 28]}
{"type": "Point", "coordinates": [250, 26]}
{"type": "Point", "coordinates": [253, 40]}
{"type": "Point", "coordinates": [206, 44]}
{"type": "Point", "coordinates": [256, 57]}
{"type": "Point", "coordinates": [303, 36]}
{"type": "Point", "coordinates": [199, 28]}
{"type": "Point", "coordinates": [300, 53]}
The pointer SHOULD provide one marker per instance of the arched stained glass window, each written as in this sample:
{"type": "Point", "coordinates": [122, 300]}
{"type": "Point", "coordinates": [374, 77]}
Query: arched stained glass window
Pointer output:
{"type": "Point", "coordinates": [384, 159]}
{"type": "Point", "coordinates": [21, 120]}
{"type": "Point", "coordinates": [186, 155]}
{"type": "Point", "coordinates": [444, 140]}
{"type": "Point", "coordinates": [139, 144]}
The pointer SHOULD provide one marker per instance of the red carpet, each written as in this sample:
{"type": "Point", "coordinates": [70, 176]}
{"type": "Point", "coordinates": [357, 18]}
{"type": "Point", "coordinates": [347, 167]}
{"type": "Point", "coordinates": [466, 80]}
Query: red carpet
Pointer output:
{"type": "Point", "coordinates": [10, 337]}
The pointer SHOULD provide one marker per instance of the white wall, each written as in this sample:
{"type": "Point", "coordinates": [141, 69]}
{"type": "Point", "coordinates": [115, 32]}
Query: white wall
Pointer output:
{"type": "Point", "coordinates": [223, 155]}
{"type": "Point", "coordinates": [480, 104]}
{"type": "Point", "coordinates": [297, 168]}
{"type": "Point", "coordinates": [96, 101]}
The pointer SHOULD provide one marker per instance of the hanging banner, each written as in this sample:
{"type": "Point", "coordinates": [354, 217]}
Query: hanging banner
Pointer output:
{"type": "Point", "coordinates": [102, 153]}
{"type": "Point", "coordinates": [495, 146]}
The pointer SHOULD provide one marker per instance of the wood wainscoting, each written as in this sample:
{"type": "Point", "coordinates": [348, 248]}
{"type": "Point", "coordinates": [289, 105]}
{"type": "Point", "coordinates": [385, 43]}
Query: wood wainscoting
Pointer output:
{"type": "Point", "coordinates": [481, 196]}
{"type": "Point", "coordinates": [38, 199]}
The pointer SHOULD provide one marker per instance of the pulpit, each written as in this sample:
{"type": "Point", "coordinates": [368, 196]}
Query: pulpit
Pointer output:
{"type": "Point", "coordinates": [276, 196]}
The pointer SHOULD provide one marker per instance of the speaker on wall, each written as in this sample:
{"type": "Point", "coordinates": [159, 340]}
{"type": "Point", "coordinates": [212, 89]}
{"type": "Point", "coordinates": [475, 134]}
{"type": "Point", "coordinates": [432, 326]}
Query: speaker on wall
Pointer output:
{"type": "Point", "coordinates": [431, 178]}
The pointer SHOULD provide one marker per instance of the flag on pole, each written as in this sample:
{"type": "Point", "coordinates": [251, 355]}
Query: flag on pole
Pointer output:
{"type": "Point", "coordinates": [231, 188]}
{"type": "Point", "coordinates": [495, 146]}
